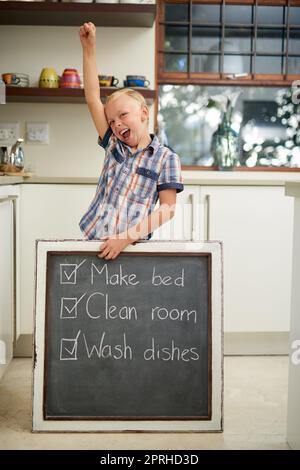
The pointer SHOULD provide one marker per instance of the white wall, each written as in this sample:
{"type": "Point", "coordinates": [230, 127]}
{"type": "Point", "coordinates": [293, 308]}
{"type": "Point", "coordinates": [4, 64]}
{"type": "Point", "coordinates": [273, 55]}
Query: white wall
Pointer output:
{"type": "Point", "coordinates": [73, 149]}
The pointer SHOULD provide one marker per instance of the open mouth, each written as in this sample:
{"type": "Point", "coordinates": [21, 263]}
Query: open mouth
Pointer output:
{"type": "Point", "coordinates": [125, 133]}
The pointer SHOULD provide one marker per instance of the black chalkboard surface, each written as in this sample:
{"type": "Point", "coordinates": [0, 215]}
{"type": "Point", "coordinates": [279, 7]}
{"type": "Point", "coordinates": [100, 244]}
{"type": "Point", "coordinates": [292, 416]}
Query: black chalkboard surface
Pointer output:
{"type": "Point", "coordinates": [129, 338]}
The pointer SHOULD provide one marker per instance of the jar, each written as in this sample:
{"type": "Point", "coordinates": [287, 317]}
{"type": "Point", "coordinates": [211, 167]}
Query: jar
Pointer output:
{"type": "Point", "coordinates": [225, 146]}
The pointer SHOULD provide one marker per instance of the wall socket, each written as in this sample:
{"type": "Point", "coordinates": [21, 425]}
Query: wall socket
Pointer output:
{"type": "Point", "coordinates": [37, 132]}
{"type": "Point", "coordinates": [9, 133]}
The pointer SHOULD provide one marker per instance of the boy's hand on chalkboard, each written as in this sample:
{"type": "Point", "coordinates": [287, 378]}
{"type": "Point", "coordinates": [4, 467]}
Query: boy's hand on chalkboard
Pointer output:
{"type": "Point", "coordinates": [112, 246]}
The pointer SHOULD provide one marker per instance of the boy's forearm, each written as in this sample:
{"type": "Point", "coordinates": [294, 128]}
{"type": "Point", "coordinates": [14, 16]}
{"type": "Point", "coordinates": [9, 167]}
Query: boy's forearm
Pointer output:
{"type": "Point", "coordinates": [90, 75]}
{"type": "Point", "coordinates": [163, 214]}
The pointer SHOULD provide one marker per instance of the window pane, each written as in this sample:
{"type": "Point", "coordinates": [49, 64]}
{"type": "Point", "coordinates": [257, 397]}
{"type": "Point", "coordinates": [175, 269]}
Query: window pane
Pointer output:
{"type": "Point", "coordinates": [206, 39]}
{"type": "Point", "coordinates": [236, 64]}
{"type": "Point", "coordinates": [176, 63]}
{"type": "Point", "coordinates": [237, 40]}
{"type": "Point", "coordinates": [263, 136]}
{"type": "Point", "coordinates": [187, 123]}
{"type": "Point", "coordinates": [205, 63]}
{"type": "Point", "coordinates": [270, 40]}
{"type": "Point", "coordinates": [206, 13]}
{"type": "Point", "coordinates": [294, 41]}
{"type": "Point", "coordinates": [294, 65]}
{"type": "Point", "coordinates": [270, 15]}
{"type": "Point", "coordinates": [295, 15]}
{"type": "Point", "coordinates": [241, 14]}
{"type": "Point", "coordinates": [176, 38]}
{"type": "Point", "coordinates": [176, 12]}
{"type": "Point", "coordinates": [268, 65]}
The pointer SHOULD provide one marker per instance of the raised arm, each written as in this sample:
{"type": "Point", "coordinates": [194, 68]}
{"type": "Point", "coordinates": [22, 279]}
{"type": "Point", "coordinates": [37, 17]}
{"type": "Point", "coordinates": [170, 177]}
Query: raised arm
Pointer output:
{"type": "Point", "coordinates": [87, 34]}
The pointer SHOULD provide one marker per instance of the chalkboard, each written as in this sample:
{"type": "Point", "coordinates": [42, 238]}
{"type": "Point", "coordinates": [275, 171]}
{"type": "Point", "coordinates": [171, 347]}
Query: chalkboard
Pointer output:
{"type": "Point", "coordinates": [128, 339]}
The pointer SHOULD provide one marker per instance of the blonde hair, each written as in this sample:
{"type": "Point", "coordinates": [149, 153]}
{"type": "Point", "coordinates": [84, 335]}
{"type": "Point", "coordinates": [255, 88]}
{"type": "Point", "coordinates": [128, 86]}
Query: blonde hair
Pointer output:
{"type": "Point", "coordinates": [129, 92]}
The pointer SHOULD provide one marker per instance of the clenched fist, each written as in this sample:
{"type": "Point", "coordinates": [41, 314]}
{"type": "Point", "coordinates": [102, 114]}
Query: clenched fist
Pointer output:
{"type": "Point", "coordinates": [87, 34]}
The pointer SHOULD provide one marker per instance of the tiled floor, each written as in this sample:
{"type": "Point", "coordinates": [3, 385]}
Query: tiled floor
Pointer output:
{"type": "Point", "coordinates": [255, 400]}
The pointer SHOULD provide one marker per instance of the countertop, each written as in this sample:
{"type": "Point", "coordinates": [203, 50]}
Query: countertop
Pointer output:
{"type": "Point", "coordinates": [292, 188]}
{"type": "Point", "coordinates": [230, 178]}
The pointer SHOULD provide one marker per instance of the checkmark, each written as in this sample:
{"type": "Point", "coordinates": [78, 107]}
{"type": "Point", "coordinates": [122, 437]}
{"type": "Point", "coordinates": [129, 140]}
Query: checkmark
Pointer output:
{"type": "Point", "coordinates": [68, 272]}
{"type": "Point", "coordinates": [68, 348]}
{"type": "Point", "coordinates": [68, 306]}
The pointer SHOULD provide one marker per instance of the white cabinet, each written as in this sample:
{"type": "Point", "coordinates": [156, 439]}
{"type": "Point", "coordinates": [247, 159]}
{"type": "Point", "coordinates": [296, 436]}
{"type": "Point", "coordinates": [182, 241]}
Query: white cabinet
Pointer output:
{"type": "Point", "coordinates": [48, 211]}
{"type": "Point", "coordinates": [255, 225]}
{"type": "Point", "coordinates": [7, 276]}
{"type": "Point", "coordinates": [186, 224]}
{"type": "Point", "coordinates": [293, 414]}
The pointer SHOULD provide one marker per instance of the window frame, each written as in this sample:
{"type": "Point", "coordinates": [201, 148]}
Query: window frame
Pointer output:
{"type": "Point", "coordinates": [205, 78]}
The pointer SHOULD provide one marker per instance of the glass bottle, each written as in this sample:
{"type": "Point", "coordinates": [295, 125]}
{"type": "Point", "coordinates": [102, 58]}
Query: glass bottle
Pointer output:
{"type": "Point", "coordinates": [225, 146]}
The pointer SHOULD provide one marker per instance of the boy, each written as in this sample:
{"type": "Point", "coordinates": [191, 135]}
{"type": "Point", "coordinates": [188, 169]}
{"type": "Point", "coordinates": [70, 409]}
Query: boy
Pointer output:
{"type": "Point", "coordinates": [137, 170]}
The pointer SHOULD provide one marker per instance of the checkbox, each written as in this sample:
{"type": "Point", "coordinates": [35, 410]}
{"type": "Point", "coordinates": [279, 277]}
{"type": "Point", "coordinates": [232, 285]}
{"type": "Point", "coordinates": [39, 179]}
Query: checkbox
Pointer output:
{"type": "Point", "coordinates": [68, 307]}
{"type": "Point", "coordinates": [68, 272]}
{"type": "Point", "coordinates": [68, 348]}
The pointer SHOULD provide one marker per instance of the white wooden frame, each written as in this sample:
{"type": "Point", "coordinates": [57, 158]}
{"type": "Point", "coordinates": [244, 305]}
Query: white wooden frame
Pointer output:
{"type": "Point", "coordinates": [216, 421]}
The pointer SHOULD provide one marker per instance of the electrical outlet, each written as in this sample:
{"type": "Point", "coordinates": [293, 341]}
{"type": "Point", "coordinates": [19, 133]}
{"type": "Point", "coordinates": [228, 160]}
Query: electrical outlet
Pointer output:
{"type": "Point", "coordinates": [9, 133]}
{"type": "Point", "coordinates": [37, 132]}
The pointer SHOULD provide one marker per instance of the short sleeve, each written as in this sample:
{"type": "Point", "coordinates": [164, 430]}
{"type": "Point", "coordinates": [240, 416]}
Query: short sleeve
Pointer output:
{"type": "Point", "coordinates": [170, 176]}
{"type": "Point", "coordinates": [108, 139]}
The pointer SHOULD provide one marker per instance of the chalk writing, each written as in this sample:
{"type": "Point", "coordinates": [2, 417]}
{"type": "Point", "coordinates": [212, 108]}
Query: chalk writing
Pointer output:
{"type": "Point", "coordinates": [68, 306]}
{"type": "Point", "coordinates": [106, 350]}
{"type": "Point", "coordinates": [124, 312]}
{"type": "Point", "coordinates": [162, 313]}
{"type": "Point", "coordinates": [68, 272]}
{"type": "Point", "coordinates": [170, 353]}
{"type": "Point", "coordinates": [159, 279]}
{"type": "Point", "coordinates": [68, 348]}
{"type": "Point", "coordinates": [116, 279]}
{"type": "Point", "coordinates": [99, 307]}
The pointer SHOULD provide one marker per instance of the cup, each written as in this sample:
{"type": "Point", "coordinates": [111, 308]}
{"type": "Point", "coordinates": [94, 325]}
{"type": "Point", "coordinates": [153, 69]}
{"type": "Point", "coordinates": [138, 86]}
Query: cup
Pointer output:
{"type": "Point", "coordinates": [10, 79]}
{"type": "Point", "coordinates": [107, 80]}
{"type": "Point", "coordinates": [70, 79]}
{"type": "Point", "coordinates": [48, 78]}
{"type": "Point", "coordinates": [24, 79]}
{"type": "Point", "coordinates": [136, 81]}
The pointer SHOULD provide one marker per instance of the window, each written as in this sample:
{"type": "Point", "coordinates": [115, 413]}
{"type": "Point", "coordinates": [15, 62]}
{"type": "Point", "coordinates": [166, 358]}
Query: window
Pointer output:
{"type": "Point", "coordinates": [266, 120]}
{"type": "Point", "coordinates": [212, 48]}
{"type": "Point", "coordinates": [221, 39]}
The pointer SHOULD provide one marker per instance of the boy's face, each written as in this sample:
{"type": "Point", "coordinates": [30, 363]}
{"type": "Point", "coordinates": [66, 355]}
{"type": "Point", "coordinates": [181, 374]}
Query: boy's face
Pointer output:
{"type": "Point", "coordinates": [127, 118]}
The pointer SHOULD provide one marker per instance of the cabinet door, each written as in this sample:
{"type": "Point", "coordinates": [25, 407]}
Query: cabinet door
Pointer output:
{"type": "Point", "coordinates": [6, 282]}
{"type": "Point", "coordinates": [255, 225]}
{"type": "Point", "coordinates": [185, 225]}
{"type": "Point", "coordinates": [47, 212]}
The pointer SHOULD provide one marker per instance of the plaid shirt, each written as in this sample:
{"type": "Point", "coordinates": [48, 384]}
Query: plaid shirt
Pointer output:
{"type": "Point", "coordinates": [128, 186]}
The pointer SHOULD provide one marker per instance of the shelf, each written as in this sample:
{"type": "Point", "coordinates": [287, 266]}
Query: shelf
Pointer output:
{"type": "Point", "coordinates": [74, 14]}
{"type": "Point", "coordinates": [61, 95]}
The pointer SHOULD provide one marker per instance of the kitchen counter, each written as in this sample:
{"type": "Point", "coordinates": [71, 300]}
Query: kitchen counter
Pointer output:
{"type": "Point", "coordinates": [293, 188]}
{"type": "Point", "coordinates": [7, 180]}
{"type": "Point", "coordinates": [214, 178]}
